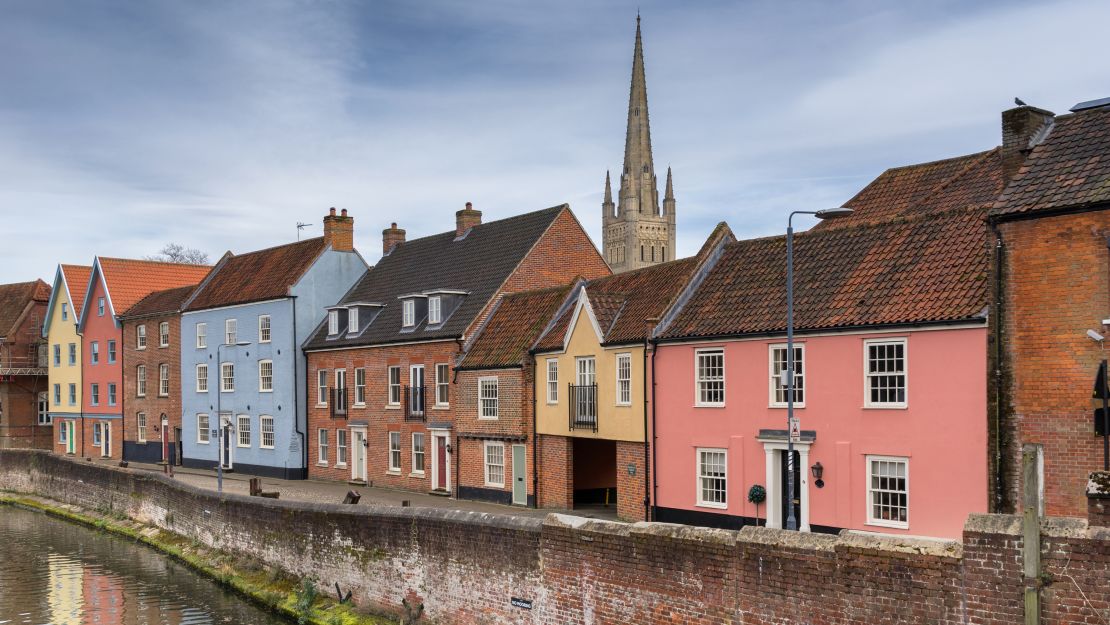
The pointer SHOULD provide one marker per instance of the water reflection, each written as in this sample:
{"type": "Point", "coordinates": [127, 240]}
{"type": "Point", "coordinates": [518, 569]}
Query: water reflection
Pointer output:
{"type": "Point", "coordinates": [57, 573]}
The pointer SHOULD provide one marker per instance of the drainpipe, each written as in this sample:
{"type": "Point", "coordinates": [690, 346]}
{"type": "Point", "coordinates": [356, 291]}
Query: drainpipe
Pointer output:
{"type": "Point", "coordinates": [654, 437]}
{"type": "Point", "coordinates": [123, 397]}
{"type": "Point", "coordinates": [647, 441]}
{"type": "Point", "coordinates": [296, 393]}
{"type": "Point", "coordinates": [535, 455]}
{"type": "Point", "coordinates": [999, 249]}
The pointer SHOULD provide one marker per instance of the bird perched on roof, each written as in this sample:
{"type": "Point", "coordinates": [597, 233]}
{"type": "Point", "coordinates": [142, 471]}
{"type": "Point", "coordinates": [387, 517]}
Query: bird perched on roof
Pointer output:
{"type": "Point", "coordinates": [1018, 102]}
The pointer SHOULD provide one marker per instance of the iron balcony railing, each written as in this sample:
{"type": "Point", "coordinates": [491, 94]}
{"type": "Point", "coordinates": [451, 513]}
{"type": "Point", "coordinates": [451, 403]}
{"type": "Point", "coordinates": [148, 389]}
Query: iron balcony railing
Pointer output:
{"type": "Point", "coordinates": [339, 403]}
{"type": "Point", "coordinates": [414, 403]}
{"type": "Point", "coordinates": [583, 407]}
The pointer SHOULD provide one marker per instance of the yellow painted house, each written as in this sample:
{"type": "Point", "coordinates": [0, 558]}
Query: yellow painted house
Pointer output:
{"type": "Point", "coordinates": [64, 345]}
{"type": "Point", "coordinates": [592, 372]}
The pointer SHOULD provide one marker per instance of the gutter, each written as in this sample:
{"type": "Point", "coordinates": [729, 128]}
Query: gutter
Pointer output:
{"type": "Point", "coordinates": [977, 320]}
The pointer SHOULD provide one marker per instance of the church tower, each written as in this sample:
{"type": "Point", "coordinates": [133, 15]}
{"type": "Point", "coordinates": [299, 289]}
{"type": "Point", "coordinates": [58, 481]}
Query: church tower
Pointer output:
{"type": "Point", "coordinates": [636, 233]}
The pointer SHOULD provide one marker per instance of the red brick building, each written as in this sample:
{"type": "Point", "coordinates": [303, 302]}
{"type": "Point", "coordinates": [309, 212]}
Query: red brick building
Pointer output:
{"type": "Point", "coordinates": [24, 413]}
{"type": "Point", "coordinates": [152, 376]}
{"type": "Point", "coordinates": [496, 431]}
{"type": "Point", "coordinates": [381, 366]}
{"type": "Point", "coordinates": [1051, 236]}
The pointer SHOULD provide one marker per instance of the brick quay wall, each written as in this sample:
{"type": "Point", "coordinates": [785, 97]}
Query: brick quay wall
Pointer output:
{"type": "Point", "coordinates": [468, 567]}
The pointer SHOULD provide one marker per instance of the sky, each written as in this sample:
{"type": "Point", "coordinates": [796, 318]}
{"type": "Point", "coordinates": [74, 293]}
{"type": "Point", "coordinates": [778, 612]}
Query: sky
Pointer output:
{"type": "Point", "coordinates": [222, 124]}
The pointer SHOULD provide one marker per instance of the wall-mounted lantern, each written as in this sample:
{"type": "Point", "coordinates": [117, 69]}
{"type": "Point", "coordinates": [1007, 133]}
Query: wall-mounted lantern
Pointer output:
{"type": "Point", "coordinates": [818, 471]}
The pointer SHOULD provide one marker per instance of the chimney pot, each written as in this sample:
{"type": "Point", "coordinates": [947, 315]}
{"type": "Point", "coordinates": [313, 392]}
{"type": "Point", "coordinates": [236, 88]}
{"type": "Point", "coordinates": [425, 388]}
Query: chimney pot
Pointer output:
{"type": "Point", "coordinates": [391, 238]}
{"type": "Point", "coordinates": [344, 212]}
{"type": "Point", "coordinates": [339, 231]}
{"type": "Point", "coordinates": [466, 219]}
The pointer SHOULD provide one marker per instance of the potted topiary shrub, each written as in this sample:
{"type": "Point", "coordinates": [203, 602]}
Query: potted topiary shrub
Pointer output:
{"type": "Point", "coordinates": [757, 495]}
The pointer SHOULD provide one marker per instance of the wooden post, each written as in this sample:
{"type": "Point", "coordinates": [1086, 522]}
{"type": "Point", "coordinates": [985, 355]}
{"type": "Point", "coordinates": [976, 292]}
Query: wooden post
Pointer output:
{"type": "Point", "coordinates": [1031, 533]}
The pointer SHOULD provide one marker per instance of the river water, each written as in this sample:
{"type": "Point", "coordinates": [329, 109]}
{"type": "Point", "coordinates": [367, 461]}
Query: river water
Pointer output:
{"type": "Point", "coordinates": [56, 572]}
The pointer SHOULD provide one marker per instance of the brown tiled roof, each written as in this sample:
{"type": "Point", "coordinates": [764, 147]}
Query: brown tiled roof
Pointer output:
{"type": "Point", "coordinates": [1070, 168]}
{"type": "Point", "coordinates": [477, 264]}
{"type": "Point", "coordinates": [131, 280]}
{"type": "Point", "coordinates": [622, 303]}
{"type": "Point", "coordinates": [77, 279]}
{"type": "Point", "coordinates": [929, 268]}
{"type": "Point", "coordinates": [160, 302]}
{"type": "Point", "coordinates": [257, 276]}
{"type": "Point", "coordinates": [971, 180]}
{"type": "Point", "coordinates": [513, 327]}
{"type": "Point", "coordinates": [14, 299]}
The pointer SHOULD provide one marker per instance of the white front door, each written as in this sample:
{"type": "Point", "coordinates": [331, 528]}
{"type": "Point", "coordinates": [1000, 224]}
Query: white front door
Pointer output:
{"type": "Point", "coordinates": [106, 439]}
{"type": "Point", "coordinates": [775, 453]}
{"type": "Point", "coordinates": [358, 462]}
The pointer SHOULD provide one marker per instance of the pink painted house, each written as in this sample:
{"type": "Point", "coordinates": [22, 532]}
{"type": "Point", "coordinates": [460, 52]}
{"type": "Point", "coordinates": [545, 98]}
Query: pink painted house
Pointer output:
{"type": "Point", "coordinates": [891, 341]}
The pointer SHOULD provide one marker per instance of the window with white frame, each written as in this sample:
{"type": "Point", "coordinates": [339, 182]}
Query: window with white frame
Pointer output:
{"type": "Point", "coordinates": [495, 463]}
{"type": "Point", "coordinates": [341, 447]}
{"type": "Point", "coordinates": [65, 311]}
{"type": "Point", "coordinates": [263, 328]}
{"type": "Point", "coordinates": [163, 380]}
{"type": "Point", "coordinates": [164, 334]}
{"type": "Point", "coordinates": [322, 387]}
{"type": "Point", "coordinates": [394, 386]}
{"type": "Point", "coordinates": [44, 417]}
{"type": "Point", "coordinates": [111, 393]}
{"type": "Point", "coordinates": [266, 376]}
{"type": "Point", "coordinates": [321, 446]}
{"type": "Point", "coordinates": [72, 354]}
{"type": "Point", "coordinates": [94, 390]}
{"type": "Point", "coordinates": [552, 380]}
{"type": "Point", "coordinates": [202, 378]}
{"type": "Point", "coordinates": [231, 331]}
{"type": "Point", "coordinates": [111, 351]}
{"type": "Point", "coordinates": [140, 381]}
{"type": "Point", "coordinates": [443, 384]}
{"type": "Point", "coordinates": [202, 335]}
{"type": "Point", "coordinates": [713, 478]}
{"type": "Point", "coordinates": [227, 377]}
{"type": "Point", "coordinates": [57, 355]}
{"type": "Point", "coordinates": [408, 313]}
{"type": "Point", "coordinates": [487, 398]}
{"type": "Point", "coordinates": [360, 386]}
{"type": "Point", "coordinates": [778, 364]}
{"type": "Point", "coordinates": [96, 434]}
{"type": "Point", "coordinates": [100, 307]}
{"type": "Point", "coordinates": [418, 452]}
{"type": "Point", "coordinates": [888, 491]}
{"type": "Point", "coordinates": [244, 430]}
{"type": "Point", "coordinates": [434, 310]}
{"type": "Point", "coordinates": [885, 372]}
{"type": "Point", "coordinates": [266, 429]}
{"type": "Point", "coordinates": [395, 451]}
{"type": "Point", "coordinates": [333, 322]}
{"type": "Point", "coordinates": [140, 337]}
{"type": "Point", "coordinates": [57, 395]}
{"type": "Point", "coordinates": [202, 429]}
{"type": "Point", "coordinates": [710, 377]}
{"type": "Point", "coordinates": [352, 320]}
{"type": "Point", "coordinates": [94, 355]}
{"type": "Point", "coordinates": [72, 394]}
{"type": "Point", "coordinates": [140, 426]}
{"type": "Point", "coordinates": [624, 379]}
{"type": "Point", "coordinates": [62, 432]}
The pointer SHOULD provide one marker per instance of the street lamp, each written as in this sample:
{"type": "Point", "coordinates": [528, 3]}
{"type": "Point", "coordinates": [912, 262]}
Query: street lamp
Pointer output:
{"type": "Point", "coordinates": [220, 434]}
{"type": "Point", "coordinates": [828, 213]}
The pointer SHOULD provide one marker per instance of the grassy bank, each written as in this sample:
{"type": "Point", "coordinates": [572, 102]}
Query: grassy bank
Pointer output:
{"type": "Point", "coordinates": [296, 599]}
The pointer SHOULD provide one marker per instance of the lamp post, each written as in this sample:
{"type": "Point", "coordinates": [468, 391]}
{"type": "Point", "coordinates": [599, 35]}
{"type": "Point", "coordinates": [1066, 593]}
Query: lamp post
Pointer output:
{"type": "Point", "coordinates": [220, 434]}
{"type": "Point", "coordinates": [829, 213]}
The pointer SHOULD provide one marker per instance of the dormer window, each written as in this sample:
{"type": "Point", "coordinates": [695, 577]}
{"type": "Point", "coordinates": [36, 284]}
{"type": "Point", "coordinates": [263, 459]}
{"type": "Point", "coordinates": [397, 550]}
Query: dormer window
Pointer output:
{"type": "Point", "coordinates": [408, 313]}
{"type": "Point", "coordinates": [352, 320]}
{"type": "Point", "coordinates": [333, 322]}
{"type": "Point", "coordinates": [434, 310]}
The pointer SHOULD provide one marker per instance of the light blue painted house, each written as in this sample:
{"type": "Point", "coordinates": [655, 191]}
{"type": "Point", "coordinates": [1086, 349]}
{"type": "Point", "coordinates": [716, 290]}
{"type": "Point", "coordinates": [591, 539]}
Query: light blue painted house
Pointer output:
{"type": "Point", "coordinates": [242, 370]}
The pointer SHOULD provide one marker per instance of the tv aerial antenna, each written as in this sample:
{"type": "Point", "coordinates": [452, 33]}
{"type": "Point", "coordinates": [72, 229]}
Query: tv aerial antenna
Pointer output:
{"type": "Point", "coordinates": [301, 226]}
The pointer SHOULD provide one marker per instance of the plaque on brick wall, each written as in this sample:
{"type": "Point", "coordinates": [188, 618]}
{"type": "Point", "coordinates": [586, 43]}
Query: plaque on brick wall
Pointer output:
{"type": "Point", "coordinates": [521, 603]}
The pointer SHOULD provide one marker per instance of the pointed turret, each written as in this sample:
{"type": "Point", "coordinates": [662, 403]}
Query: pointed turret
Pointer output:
{"type": "Point", "coordinates": [668, 195]}
{"type": "Point", "coordinates": [608, 212]}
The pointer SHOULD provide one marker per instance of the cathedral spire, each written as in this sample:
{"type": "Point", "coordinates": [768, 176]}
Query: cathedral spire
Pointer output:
{"type": "Point", "coordinates": [638, 177]}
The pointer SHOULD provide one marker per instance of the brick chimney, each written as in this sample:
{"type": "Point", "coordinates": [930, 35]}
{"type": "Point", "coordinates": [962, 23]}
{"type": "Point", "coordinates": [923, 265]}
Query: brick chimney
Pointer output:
{"type": "Point", "coordinates": [339, 231]}
{"type": "Point", "coordinates": [1022, 128]}
{"type": "Point", "coordinates": [466, 219]}
{"type": "Point", "coordinates": [391, 238]}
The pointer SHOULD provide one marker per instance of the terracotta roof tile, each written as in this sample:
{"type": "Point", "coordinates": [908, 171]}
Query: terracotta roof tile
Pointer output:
{"type": "Point", "coordinates": [14, 299]}
{"type": "Point", "coordinates": [131, 280]}
{"type": "Point", "coordinates": [929, 268]}
{"type": "Point", "coordinates": [960, 182]}
{"type": "Point", "coordinates": [77, 278]}
{"type": "Point", "coordinates": [257, 276]}
{"type": "Point", "coordinates": [513, 327]}
{"type": "Point", "coordinates": [160, 302]}
{"type": "Point", "coordinates": [1070, 168]}
{"type": "Point", "coordinates": [477, 264]}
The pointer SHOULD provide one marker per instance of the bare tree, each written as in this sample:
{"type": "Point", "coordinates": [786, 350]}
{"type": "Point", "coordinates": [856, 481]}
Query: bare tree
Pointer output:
{"type": "Point", "coordinates": [178, 253]}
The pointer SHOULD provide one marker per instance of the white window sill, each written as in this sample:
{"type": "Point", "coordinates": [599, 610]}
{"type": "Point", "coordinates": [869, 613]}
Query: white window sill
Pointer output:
{"type": "Point", "coordinates": [358, 404]}
{"type": "Point", "coordinates": [628, 405]}
{"type": "Point", "coordinates": [321, 464]}
{"type": "Point", "coordinates": [265, 390]}
{"type": "Point", "coordinates": [441, 407]}
{"type": "Point", "coordinates": [715, 506]}
{"type": "Point", "coordinates": [341, 465]}
{"type": "Point", "coordinates": [487, 418]}
{"type": "Point", "coordinates": [202, 442]}
{"type": "Point", "coordinates": [140, 349]}
{"type": "Point", "coordinates": [419, 474]}
{"type": "Point", "coordinates": [393, 406]}
{"type": "Point", "coordinates": [888, 524]}
{"type": "Point", "coordinates": [237, 446]}
{"type": "Point", "coordinates": [393, 472]}
{"type": "Point", "coordinates": [495, 485]}
{"type": "Point", "coordinates": [266, 447]}
{"type": "Point", "coordinates": [885, 406]}
{"type": "Point", "coordinates": [264, 342]}
{"type": "Point", "coordinates": [784, 406]}
{"type": "Point", "coordinates": [709, 405]}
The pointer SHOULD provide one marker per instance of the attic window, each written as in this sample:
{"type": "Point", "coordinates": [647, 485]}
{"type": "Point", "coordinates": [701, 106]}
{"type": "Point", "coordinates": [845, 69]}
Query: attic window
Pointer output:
{"type": "Point", "coordinates": [408, 313]}
{"type": "Point", "coordinates": [434, 310]}
{"type": "Point", "coordinates": [333, 322]}
{"type": "Point", "coordinates": [352, 319]}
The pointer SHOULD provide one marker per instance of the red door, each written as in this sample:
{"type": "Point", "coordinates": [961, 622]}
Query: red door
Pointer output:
{"type": "Point", "coordinates": [441, 453]}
